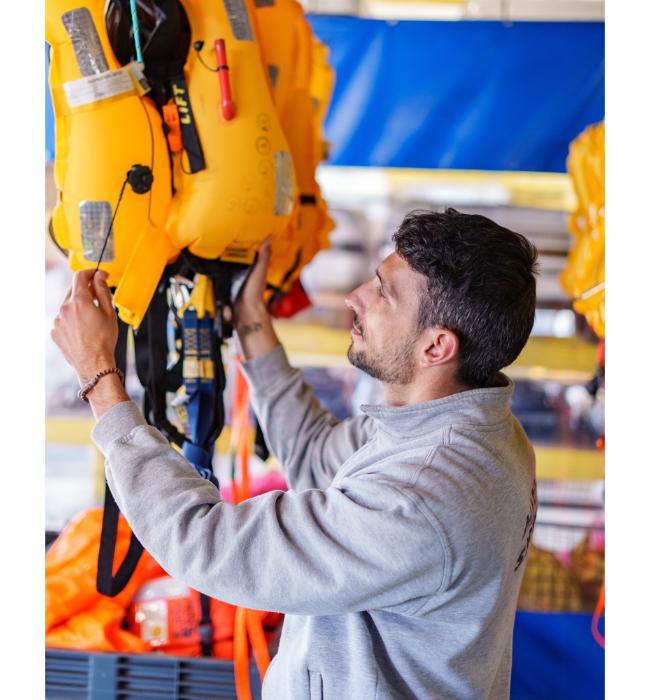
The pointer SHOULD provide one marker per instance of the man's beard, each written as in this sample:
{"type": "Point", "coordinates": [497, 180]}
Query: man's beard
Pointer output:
{"type": "Point", "coordinates": [394, 365]}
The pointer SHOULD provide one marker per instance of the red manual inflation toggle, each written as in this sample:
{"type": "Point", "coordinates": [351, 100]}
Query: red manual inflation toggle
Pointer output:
{"type": "Point", "coordinates": [227, 105]}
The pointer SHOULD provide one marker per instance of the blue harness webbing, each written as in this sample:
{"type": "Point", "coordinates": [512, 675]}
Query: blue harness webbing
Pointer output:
{"type": "Point", "coordinates": [199, 379]}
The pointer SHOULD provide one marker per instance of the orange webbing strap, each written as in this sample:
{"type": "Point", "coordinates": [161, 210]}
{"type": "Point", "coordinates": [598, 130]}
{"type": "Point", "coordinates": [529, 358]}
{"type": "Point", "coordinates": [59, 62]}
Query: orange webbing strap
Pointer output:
{"type": "Point", "coordinates": [258, 641]}
{"type": "Point", "coordinates": [248, 623]}
{"type": "Point", "coordinates": [240, 653]}
{"type": "Point", "coordinates": [598, 613]}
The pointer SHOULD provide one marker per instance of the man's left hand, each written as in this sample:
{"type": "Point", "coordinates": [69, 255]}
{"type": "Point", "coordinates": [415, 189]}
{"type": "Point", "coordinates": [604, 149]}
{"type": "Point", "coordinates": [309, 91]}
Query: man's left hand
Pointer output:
{"type": "Point", "coordinates": [85, 329]}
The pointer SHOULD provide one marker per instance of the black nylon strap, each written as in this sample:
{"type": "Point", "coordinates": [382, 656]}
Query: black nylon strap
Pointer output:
{"type": "Point", "coordinates": [189, 134]}
{"type": "Point", "coordinates": [107, 584]}
{"type": "Point", "coordinates": [120, 347]}
{"type": "Point", "coordinates": [151, 365]}
{"type": "Point", "coordinates": [206, 630]}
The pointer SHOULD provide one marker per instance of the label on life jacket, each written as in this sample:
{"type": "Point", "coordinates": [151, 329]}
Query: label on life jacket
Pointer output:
{"type": "Point", "coordinates": [99, 87]}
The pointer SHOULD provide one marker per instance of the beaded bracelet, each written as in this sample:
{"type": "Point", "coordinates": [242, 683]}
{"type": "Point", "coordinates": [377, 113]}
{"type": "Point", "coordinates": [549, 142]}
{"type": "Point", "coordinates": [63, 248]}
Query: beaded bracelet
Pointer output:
{"type": "Point", "coordinates": [83, 392]}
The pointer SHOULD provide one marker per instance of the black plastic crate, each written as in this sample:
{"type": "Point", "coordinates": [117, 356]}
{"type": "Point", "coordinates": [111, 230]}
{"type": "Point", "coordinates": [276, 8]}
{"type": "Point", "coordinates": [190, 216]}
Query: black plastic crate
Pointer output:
{"type": "Point", "coordinates": [104, 676]}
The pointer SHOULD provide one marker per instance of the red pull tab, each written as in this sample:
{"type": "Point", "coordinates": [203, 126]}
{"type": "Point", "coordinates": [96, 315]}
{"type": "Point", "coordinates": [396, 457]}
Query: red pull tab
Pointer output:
{"type": "Point", "coordinates": [227, 105]}
{"type": "Point", "coordinates": [291, 303]}
{"type": "Point", "coordinates": [174, 138]}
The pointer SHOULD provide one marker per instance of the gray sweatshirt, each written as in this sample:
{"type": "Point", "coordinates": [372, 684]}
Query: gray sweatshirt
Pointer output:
{"type": "Point", "coordinates": [397, 555]}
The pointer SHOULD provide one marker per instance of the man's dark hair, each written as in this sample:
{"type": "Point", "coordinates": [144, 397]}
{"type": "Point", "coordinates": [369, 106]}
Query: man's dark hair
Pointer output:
{"type": "Point", "coordinates": [480, 285]}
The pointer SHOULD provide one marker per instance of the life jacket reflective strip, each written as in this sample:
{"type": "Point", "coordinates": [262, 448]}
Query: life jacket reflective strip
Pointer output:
{"type": "Point", "coordinates": [103, 127]}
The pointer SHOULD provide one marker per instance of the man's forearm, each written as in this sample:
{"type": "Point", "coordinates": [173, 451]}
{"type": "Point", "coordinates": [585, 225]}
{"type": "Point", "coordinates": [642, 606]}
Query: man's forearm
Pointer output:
{"type": "Point", "coordinates": [255, 331]}
{"type": "Point", "coordinates": [105, 394]}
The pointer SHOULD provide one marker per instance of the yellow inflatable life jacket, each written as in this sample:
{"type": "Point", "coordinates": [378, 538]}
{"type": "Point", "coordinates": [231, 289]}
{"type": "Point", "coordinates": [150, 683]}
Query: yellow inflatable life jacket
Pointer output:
{"type": "Point", "coordinates": [321, 88]}
{"type": "Point", "coordinates": [103, 127]}
{"type": "Point", "coordinates": [242, 189]}
{"type": "Point", "coordinates": [584, 275]}
{"type": "Point", "coordinates": [321, 83]}
{"type": "Point", "coordinates": [245, 192]}
{"type": "Point", "coordinates": [286, 42]}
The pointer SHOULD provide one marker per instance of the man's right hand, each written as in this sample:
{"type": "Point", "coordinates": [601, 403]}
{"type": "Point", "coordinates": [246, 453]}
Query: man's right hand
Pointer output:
{"type": "Point", "coordinates": [251, 319]}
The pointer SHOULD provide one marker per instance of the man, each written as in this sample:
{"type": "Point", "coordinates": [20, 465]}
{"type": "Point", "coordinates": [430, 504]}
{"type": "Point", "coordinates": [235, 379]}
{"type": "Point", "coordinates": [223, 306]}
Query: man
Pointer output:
{"type": "Point", "coordinates": [397, 555]}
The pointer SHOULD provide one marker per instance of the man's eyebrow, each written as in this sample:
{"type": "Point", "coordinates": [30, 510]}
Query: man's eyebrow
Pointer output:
{"type": "Point", "coordinates": [385, 284]}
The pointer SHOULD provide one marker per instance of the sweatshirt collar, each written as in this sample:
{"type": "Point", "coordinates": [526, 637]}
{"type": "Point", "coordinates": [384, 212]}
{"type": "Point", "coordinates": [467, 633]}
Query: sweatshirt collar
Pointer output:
{"type": "Point", "coordinates": [477, 406]}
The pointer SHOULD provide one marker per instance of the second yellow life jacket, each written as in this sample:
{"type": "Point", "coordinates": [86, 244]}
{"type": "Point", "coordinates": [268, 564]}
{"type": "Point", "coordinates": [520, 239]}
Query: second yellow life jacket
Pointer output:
{"type": "Point", "coordinates": [286, 42]}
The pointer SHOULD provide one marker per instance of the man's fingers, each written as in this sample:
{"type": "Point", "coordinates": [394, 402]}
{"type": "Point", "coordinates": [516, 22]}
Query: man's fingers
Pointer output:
{"type": "Point", "coordinates": [265, 255]}
{"type": "Point", "coordinates": [80, 285]}
{"type": "Point", "coordinates": [103, 293]}
{"type": "Point", "coordinates": [265, 248]}
{"type": "Point", "coordinates": [258, 275]}
{"type": "Point", "coordinates": [80, 280]}
{"type": "Point", "coordinates": [255, 283]}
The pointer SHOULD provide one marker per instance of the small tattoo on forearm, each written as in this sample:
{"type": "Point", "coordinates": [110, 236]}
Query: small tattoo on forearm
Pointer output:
{"type": "Point", "coordinates": [248, 328]}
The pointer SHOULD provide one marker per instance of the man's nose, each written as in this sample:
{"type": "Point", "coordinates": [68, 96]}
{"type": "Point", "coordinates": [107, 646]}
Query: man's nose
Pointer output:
{"type": "Point", "coordinates": [354, 300]}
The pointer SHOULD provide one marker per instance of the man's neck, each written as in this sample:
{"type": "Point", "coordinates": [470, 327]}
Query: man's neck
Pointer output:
{"type": "Point", "coordinates": [420, 391]}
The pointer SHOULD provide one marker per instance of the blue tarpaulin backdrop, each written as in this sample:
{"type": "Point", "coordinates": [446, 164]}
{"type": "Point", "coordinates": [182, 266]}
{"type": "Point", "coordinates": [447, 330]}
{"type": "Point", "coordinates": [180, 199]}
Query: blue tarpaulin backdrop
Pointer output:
{"type": "Point", "coordinates": [462, 95]}
{"type": "Point", "coordinates": [555, 657]}
{"type": "Point", "coordinates": [466, 95]}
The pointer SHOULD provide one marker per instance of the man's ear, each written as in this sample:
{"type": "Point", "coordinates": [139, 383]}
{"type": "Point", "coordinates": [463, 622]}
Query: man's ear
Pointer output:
{"type": "Point", "coordinates": [441, 346]}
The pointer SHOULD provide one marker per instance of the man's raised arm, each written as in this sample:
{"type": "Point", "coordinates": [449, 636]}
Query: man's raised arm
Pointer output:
{"type": "Point", "coordinates": [310, 443]}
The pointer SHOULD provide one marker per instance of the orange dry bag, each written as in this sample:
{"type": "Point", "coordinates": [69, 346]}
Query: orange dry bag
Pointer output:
{"type": "Point", "coordinates": [76, 615]}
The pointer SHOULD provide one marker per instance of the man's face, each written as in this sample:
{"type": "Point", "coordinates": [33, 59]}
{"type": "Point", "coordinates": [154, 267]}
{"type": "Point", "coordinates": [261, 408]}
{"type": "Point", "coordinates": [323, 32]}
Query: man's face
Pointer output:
{"type": "Point", "coordinates": [384, 329]}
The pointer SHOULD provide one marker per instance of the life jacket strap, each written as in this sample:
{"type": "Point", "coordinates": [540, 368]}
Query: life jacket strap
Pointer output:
{"type": "Point", "coordinates": [190, 136]}
{"type": "Point", "coordinates": [206, 629]}
{"type": "Point", "coordinates": [107, 584]}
